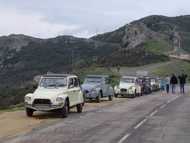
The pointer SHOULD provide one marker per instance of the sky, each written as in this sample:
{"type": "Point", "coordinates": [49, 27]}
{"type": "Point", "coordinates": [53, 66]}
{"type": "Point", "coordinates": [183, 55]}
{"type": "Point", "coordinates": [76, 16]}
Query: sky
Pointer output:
{"type": "Point", "coordinates": [81, 18]}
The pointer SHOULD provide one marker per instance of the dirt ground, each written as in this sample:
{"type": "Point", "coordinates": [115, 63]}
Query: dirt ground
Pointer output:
{"type": "Point", "coordinates": [16, 122]}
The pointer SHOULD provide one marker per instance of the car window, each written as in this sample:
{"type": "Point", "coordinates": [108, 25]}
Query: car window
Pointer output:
{"type": "Point", "coordinates": [76, 82]}
{"type": "Point", "coordinates": [71, 83]}
{"type": "Point", "coordinates": [128, 80]}
{"type": "Point", "coordinates": [93, 80]}
{"type": "Point", "coordinates": [107, 81]}
{"type": "Point", "coordinates": [53, 82]}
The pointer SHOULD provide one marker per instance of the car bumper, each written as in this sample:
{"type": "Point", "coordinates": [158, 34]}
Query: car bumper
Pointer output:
{"type": "Point", "coordinates": [44, 107]}
{"type": "Point", "coordinates": [126, 92]}
{"type": "Point", "coordinates": [91, 96]}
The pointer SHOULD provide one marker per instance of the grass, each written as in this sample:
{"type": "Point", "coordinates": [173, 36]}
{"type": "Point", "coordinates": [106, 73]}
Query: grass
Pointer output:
{"type": "Point", "coordinates": [175, 66]}
{"type": "Point", "coordinates": [157, 47]}
{"type": "Point", "coordinates": [13, 108]}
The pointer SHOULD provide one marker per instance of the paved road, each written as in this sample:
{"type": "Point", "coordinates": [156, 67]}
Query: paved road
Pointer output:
{"type": "Point", "coordinates": [152, 118]}
{"type": "Point", "coordinates": [169, 125]}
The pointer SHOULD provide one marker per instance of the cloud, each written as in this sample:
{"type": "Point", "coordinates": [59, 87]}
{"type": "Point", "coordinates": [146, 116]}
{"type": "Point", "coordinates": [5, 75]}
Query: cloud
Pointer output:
{"type": "Point", "coordinates": [15, 22]}
{"type": "Point", "coordinates": [47, 18]}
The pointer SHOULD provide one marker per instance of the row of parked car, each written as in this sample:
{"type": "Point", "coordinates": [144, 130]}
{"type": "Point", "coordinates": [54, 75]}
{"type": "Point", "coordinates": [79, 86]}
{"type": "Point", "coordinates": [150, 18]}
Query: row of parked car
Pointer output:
{"type": "Point", "coordinates": [60, 92]}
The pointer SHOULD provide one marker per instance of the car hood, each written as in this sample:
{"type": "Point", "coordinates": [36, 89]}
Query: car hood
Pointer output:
{"type": "Point", "coordinates": [48, 93]}
{"type": "Point", "coordinates": [90, 86]}
{"type": "Point", "coordinates": [126, 85]}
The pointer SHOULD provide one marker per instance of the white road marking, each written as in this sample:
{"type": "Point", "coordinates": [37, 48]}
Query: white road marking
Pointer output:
{"type": "Point", "coordinates": [140, 124]}
{"type": "Point", "coordinates": [169, 101]}
{"type": "Point", "coordinates": [163, 106]}
{"type": "Point", "coordinates": [153, 113]}
{"type": "Point", "coordinates": [124, 138]}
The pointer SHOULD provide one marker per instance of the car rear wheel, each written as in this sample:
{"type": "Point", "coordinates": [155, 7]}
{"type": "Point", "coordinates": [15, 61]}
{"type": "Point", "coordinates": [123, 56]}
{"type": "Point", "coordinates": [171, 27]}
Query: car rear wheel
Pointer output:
{"type": "Point", "coordinates": [110, 98]}
{"type": "Point", "coordinates": [79, 108]}
{"type": "Point", "coordinates": [98, 98]}
{"type": "Point", "coordinates": [29, 112]}
{"type": "Point", "coordinates": [65, 109]}
{"type": "Point", "coordinates": [116, 95]}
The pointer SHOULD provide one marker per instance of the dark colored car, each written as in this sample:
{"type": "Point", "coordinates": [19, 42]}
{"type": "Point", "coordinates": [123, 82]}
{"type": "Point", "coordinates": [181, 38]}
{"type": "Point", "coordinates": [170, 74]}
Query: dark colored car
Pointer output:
{"type": "Point", "coordinates": [145, 83]}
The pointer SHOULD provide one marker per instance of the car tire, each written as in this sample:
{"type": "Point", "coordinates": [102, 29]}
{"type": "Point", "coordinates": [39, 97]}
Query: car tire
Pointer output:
{"type": "Point", "coordinates": [29, 112]}
{"type": "Point", "coordinates": [135, 94]}
{"type": "Point", "coordinates": [65, 110]}
{"type": "Point", "coordinates": [116, 95]}
{"type": "Point", "coordinates": [110, 98]}
{"type": "Point", "coordinates": [79, 108]}
{"type": "Point", "coordinates": [98, 98]}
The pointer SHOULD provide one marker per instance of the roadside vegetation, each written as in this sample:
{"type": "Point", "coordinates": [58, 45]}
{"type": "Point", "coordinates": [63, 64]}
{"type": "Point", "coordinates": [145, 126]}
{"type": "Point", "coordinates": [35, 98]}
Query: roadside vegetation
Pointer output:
{"type": "Point", "coordinates": [175, 66]}
{"type": "Point", "coordinates": [12, 99]}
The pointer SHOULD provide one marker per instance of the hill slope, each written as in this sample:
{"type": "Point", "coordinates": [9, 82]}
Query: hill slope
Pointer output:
{"type": "Point", "coordinates": [145, 41]}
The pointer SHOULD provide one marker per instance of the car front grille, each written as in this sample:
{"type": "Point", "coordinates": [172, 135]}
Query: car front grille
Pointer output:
{"type": "Point", "coordinates": [123, 90]}
{"type": "Point", "coordinates": [42, 102]}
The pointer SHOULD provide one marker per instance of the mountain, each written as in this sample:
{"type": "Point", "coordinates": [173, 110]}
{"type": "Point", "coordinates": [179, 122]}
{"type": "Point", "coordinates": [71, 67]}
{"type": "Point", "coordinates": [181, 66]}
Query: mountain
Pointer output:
{"type": "Point", "coordinates": [148, 40]}
{"type": "Point", "coordinates": [154, 33]}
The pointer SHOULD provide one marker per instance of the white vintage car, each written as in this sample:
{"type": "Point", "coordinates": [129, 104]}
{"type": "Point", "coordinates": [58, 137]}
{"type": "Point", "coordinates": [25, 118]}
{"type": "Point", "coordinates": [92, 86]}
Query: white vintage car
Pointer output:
{"type": "Point", "coordinates": [128, 86]}
{"type": "Point", "coordinates": [55, 92]}
{"type": "Point", "coordinates": [154, 82]}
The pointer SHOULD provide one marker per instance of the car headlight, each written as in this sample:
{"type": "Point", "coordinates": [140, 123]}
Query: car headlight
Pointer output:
{"type": "Point", "coordinates": [132, 89]}
{"type": "Point", "coordinates": [27, 98]}
{"type": "Point", "coordinates": [59, 99]}
{"type": "Point", "coordinates": [93, 91]}
{"type": "Point", "coordinates": [116, 89]}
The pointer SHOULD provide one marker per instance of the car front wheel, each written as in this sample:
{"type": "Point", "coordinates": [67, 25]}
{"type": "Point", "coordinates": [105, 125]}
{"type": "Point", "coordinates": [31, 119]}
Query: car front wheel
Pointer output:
{"type": "Point", "coordinates": [79, 108]}
{"type": "Point", "coordinates": [29, 112]}
{"type": "Point", "coordinates": [110, 98]}
{"type": "Point", "coordinates": [65, 109]}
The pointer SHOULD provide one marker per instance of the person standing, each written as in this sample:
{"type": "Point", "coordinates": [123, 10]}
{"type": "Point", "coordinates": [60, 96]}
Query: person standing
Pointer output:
{"type": "Point", "coordinates": [182, 82]}
{"type": "Point", "coordinates": [167, 84]}
{"type": "Point", "coordinates": [173, 82]}
{"type": "Point", "coordinates": [163, 86]}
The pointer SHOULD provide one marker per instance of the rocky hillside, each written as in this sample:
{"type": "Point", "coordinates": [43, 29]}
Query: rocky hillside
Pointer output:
{"type": "Point", "coordinates": [154, 33]}
{"type": "Point", "coordinates": [148, 40]}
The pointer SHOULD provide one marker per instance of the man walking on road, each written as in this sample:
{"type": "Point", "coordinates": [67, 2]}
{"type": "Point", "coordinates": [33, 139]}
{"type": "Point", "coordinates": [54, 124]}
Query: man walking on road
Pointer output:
{"type": "Point", "coordinates": [173, 82]}
{"type": "Point", "coordinates": [182, 82]}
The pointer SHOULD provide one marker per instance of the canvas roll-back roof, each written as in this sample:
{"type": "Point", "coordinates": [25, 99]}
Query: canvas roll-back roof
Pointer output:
{"type": "Point", "coordinates": [59, 75]}
{"type": "Point", "coordinates": [98, 76]}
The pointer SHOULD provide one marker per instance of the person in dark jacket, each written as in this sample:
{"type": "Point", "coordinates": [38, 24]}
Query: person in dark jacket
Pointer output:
{"type": "Point", "coordinates": [182, 81]}
{"type": "Point", "coordinates": [173, 82]}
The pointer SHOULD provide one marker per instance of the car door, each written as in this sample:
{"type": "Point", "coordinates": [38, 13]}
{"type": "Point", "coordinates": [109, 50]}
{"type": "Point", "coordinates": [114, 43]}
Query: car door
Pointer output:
{"type": "Point", "coordinates": [71, 92]}
{"type": "Point", "coordinates": [78, 95]}
{"type": "Point", "coordinates": [105, 86]}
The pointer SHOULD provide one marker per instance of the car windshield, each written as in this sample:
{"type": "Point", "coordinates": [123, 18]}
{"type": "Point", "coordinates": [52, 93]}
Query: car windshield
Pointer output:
{"type": "Point", "coordinates": [93, 80]}
{"type": "Point", "coordinates": [128, 80]}
{"type": "Point", "coordinates": [53, 82]}
{"type": "Point", "coordinates": [153, 80]}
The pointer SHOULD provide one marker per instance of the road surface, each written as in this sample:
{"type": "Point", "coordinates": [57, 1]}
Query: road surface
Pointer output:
{"type": "Point", "coordinates": [146, 119]}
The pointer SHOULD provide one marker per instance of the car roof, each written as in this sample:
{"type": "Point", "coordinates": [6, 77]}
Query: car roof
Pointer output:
{"type": "Point", "coordinates": [129, 76]}
{"type": "Point", "coordinates": [98, 76]}
{"type": "Point", "coordinates": [59, 75]}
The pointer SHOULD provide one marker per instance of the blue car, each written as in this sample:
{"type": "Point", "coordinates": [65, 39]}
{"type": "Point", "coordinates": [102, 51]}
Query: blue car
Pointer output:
{"type": "Point", "coordinates": [97, 87]}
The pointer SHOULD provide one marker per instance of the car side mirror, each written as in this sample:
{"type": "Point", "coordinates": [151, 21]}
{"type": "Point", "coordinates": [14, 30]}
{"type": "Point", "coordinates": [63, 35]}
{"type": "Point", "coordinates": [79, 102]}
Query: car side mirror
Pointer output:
{"type": "Point", "coordinates": [34, 86]}
{"type": "Point", "coordinates": [70, 86]}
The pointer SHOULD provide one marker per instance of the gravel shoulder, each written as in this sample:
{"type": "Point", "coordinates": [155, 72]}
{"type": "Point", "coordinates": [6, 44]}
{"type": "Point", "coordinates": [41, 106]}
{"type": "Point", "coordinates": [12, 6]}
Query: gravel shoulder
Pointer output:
{"type": "Point", "coordinates": [14, 123]}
